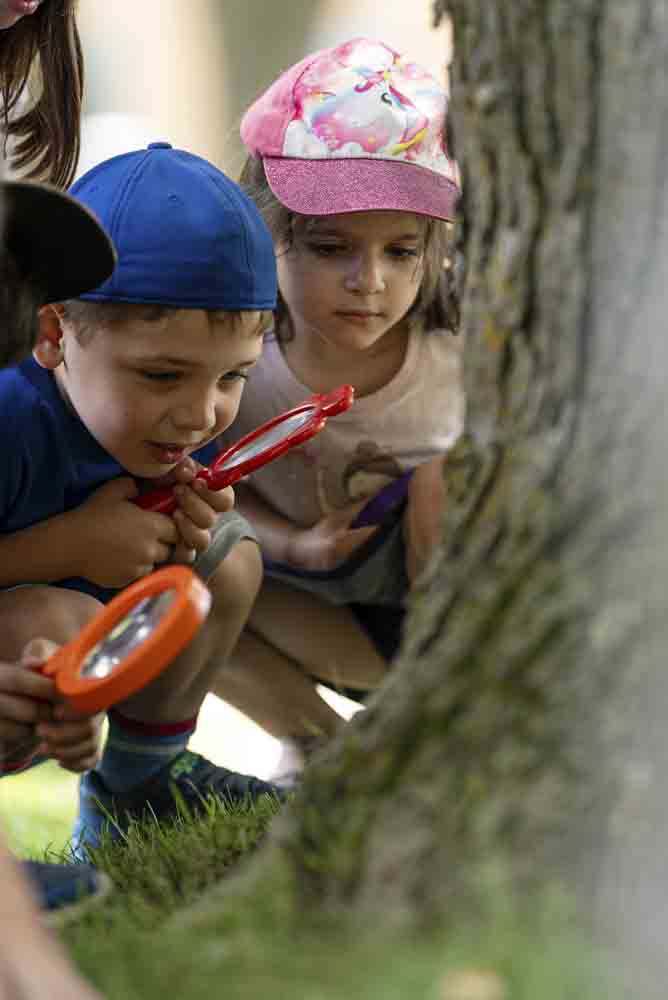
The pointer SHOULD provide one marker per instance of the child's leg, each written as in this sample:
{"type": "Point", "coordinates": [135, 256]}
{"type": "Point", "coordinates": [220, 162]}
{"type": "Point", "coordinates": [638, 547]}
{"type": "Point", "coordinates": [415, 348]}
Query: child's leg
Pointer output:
{"type": "Point", "coordinates": [292, 640]}
{"type": "Point", "coordinates": [180, 690]}
{"type": "Point", "coordinates": [274, 691]}
{"type": "Point", "coordinates": [41, 611]}
{"type": "Point", "coordinates": [145, 754]}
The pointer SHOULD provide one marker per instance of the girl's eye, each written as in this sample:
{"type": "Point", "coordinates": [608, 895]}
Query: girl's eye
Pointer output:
{"type": "Point", "coordinates": [326, 249]}
{"type": "Point", "coordinates": [402, 253]}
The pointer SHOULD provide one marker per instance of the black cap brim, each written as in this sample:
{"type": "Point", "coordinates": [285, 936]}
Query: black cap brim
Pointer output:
{"type": "Point", "coordinates": [56, 240]}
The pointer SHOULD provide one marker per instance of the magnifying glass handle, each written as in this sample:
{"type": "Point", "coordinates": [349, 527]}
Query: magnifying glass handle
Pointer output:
{"type": "Point", "coordinates": [323, 405]}
{"type": "Point", "coordinates": [336, 401]}
{"type": "Point", "coordinates": [161, 501]}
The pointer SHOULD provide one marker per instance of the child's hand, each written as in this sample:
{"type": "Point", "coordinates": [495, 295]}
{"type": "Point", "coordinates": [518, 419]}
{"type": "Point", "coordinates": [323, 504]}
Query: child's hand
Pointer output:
{"type": "Point", "coordinates": [20, 712]}
{"type": "Point", "coordinates": [46, 726]}
{"type": "Point", "coordinates": [197, 512]}
{"type": "Point", "coordinates": [329, 542]}
{"type": "Point", "coordinates": [71, 738]}
{"type": "Point", "coordinates": [117, 542]}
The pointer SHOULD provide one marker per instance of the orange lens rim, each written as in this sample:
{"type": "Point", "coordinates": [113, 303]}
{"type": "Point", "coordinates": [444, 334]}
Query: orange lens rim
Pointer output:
{"type": "Point", "coordinates": [170, 636]}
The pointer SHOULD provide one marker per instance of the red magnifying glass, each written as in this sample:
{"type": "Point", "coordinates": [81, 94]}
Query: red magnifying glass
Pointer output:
{"type": "Point", "coordinates": [262, 445]}
{"type": "Point", "coordinates": [131, 640]}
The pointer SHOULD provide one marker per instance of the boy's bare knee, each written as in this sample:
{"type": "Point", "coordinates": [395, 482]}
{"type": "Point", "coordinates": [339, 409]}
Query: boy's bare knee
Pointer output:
{"type": "Point", "coordinates": [42, 612]}
{"type": "Point", "coordinates": [236, 582]}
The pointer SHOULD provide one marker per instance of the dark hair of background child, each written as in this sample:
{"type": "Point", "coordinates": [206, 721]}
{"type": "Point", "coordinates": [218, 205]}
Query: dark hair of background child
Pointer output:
{"type": "Point", "coordinates": [44, 47]}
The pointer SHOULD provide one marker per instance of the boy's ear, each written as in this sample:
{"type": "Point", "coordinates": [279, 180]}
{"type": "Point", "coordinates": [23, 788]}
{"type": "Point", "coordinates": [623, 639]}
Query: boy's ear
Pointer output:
{"type": "Point", "coordinates": [48, 352]}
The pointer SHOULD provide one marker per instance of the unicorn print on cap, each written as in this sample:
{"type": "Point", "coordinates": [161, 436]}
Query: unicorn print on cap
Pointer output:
{"type": "Point", "coordinates": [364, 99]}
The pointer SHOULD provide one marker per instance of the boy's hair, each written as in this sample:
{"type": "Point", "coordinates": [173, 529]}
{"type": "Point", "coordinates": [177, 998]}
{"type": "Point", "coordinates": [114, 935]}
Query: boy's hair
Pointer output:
{"type": "Point", "coordinates": [87, 317]}
{"type": "Point", "coordinates": [433, 309]}
{"type": "Point", "coordinates": [47, 136]}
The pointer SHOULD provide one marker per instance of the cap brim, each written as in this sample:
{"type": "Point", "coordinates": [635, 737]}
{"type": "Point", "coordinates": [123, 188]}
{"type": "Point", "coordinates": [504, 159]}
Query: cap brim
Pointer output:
{"type": "Point", "coordinates": [359, 184]}
{"type": "Point", "coordinates": [56, 240]}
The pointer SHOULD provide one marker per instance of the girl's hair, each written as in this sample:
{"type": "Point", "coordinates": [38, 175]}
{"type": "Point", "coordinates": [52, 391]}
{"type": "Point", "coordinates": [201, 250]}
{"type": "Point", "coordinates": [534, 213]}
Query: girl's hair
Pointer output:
{"type": "Point", "coordinates": [433, 309]}
{"type": "Point", "coordinates": [20, 300]}
{"type": "Point", "coordinates": [46, 138]}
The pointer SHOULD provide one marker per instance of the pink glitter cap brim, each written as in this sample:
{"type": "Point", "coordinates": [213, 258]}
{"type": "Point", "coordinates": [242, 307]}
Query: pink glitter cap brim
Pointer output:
{"type": "Point", "coordinates": [359, 184]}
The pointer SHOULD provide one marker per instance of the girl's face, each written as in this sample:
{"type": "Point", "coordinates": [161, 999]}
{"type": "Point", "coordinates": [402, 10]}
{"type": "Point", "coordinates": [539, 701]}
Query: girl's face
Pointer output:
{"type": "Point", "coordinates": [350, 279]}
{"type": "Point", "coordinates": [153, 391]}
{"type": "Point", "coordinates": [12, 11]}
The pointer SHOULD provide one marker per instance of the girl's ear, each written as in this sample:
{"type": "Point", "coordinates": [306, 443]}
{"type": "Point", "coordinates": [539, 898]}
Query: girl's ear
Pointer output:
{"type": "Point", "coordinates": [48, 352]}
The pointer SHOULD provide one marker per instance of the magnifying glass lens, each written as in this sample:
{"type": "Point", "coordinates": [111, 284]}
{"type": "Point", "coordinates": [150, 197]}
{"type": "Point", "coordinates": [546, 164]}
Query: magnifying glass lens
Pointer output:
{"type": "Point", "coordinates": [268, 439]}
{"type": "Point", "coordinates": [130, 631]}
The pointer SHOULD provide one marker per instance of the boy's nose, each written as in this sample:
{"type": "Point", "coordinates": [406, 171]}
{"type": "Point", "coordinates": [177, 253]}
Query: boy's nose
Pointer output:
{"type": "Point", "coordinates": [198, 414]}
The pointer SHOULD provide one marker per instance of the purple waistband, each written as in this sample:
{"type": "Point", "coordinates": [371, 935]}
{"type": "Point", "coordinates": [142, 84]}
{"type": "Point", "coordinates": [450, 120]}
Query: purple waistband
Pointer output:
{"type": "Point", "coordinates": [384, 501]}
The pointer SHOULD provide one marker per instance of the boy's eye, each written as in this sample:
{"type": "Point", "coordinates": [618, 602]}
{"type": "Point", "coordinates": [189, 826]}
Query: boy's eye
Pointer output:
{"type": "Point", "coordinates": [160, 376]}
{"type": "Point", "coordinates": [234, 376]}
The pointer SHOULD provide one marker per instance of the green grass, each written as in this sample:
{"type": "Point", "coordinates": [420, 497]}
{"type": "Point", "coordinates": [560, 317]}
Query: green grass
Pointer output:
{"type": "Point", "coordinates": [37, 809]}
{"type": "Point", "coordinates": [253, 942]}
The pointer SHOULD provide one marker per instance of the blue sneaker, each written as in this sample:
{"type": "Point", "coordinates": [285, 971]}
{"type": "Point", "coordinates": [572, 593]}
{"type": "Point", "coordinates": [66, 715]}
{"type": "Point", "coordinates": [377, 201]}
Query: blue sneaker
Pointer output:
{"type": "Point", "coordinates": [189, 779]}
{"type": "Point", "coordinates": [65, 890]}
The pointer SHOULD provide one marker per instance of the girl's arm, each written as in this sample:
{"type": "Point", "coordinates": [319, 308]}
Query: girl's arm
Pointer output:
{"type": "Point", "coordinates": [275, 532]}
{"type": "Point", "coordinates": [322, 547]}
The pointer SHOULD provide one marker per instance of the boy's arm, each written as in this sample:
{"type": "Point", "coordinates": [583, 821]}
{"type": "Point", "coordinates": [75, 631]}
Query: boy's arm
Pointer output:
{"type": "Point", "coordinates": [107, 540]}
{"type": "Point", "coordinates": [44, 552]}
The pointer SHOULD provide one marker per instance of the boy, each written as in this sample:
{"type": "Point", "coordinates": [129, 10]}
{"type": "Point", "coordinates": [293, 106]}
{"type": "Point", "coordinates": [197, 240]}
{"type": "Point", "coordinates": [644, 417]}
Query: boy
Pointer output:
{"type": "Point", "coordinates": [129, 383]}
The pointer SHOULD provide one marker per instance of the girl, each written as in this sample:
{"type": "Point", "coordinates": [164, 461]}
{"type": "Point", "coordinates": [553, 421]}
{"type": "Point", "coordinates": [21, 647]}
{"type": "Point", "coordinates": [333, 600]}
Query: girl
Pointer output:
{"type": "Point", "coordinates": [349, 166]}
{"type": "Point", "coordinates": [39, 44]}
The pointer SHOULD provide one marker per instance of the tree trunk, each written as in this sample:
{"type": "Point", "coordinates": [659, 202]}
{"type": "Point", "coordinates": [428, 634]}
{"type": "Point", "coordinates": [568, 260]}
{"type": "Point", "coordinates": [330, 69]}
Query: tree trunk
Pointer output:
{"type": "Point", "coordinates": [498, 733]}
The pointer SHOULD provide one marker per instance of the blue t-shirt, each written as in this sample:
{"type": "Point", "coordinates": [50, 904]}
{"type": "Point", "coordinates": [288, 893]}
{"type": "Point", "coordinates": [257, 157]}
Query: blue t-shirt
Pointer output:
{"type": "Point", "coordinates": [50, 461]}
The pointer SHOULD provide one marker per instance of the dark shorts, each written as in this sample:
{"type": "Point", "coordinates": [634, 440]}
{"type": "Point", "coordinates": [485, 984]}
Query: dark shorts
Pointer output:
{"type": "Point", "coordinates": [372, 582]}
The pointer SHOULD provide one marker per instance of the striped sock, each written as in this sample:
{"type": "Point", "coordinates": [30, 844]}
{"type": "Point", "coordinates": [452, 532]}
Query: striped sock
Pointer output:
{"type": "Point", "coordinates": [135, 751]}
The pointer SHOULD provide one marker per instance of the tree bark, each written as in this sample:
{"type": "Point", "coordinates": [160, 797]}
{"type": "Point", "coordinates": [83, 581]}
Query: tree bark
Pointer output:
{"type": "Point", "coordinates": [523, 721]}
{"type": "Point", "coordinates": [498, 733]}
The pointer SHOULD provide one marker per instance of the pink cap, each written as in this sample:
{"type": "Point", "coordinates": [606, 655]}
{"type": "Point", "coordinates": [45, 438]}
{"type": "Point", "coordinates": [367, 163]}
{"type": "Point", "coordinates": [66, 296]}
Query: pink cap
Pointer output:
{"type": "Point", "coordinates": [352, 129]}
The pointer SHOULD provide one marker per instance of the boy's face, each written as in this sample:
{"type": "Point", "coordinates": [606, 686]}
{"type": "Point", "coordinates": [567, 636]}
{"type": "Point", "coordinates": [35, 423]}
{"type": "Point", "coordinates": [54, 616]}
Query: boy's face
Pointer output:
{"type": "Point", "coordinates": [151, 391]}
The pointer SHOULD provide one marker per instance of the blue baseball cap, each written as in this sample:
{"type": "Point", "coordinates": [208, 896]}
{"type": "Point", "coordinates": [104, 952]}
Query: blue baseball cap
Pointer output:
{"type": "Point", "coordinates": [186, 235]}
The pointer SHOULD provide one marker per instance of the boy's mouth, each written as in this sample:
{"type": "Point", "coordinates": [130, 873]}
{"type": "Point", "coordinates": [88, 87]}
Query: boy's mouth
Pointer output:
{"type": "Point", "coordinates": [170, 453]}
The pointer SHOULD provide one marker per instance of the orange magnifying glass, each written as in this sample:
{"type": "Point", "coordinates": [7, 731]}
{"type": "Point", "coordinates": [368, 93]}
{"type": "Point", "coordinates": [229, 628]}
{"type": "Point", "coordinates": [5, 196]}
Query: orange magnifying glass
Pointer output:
{"type": "Point", "coordinates": [131, 640]}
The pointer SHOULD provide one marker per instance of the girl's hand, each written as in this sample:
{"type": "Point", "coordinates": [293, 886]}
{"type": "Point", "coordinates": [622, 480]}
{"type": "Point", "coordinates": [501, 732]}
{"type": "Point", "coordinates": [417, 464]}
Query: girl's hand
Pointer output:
{"type": "Point", "coordinates": [197, 512]}
{"type": "Point", "coordinates": [329, 542]}
{"type": "Point", "coordinates": [115, 541]}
